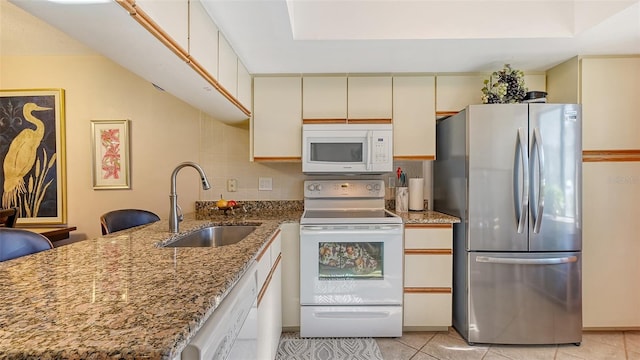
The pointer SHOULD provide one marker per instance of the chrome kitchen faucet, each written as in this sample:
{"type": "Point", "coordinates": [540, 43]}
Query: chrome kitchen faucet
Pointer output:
{"type": "Point", "coordinates": [174, 218]}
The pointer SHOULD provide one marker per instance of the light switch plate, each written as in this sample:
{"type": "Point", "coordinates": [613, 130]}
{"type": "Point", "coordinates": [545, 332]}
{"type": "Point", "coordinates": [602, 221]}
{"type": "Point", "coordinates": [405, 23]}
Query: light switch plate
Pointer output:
{"type": "Point", "coordinates": [232, 185]}
{"type": "Point", "coordinates": [265, 183]}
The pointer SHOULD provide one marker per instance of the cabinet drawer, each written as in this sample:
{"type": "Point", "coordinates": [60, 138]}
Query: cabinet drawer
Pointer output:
{"type": "Point", "coordinates": [427, 309]}
{"type": "Point", "coordinates": [428, 270]}
{"type": "Point", "coordinates": [428, 237]}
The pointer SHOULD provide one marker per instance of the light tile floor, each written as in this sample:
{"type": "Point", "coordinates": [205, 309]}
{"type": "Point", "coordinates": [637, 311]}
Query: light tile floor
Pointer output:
{"type": "Point", "coordinates": [596, 345]}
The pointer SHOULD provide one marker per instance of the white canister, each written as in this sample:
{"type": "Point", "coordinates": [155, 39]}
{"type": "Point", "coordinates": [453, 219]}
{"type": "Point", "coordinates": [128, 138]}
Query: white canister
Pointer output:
{"type": "Point", "coordinates": [416, 194]}
{"type": "Point", "coordinates": [402, 199]}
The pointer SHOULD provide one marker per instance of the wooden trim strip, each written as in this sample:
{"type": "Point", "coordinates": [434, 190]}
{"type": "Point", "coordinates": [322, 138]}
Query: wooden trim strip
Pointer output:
{"type": "Point", "coordinates": [428, 252]}
{"type": "Point", "coordinates": [429, 226]}
{"type": "Point", "coordinates": [414, 157]}
{"type": "Point", "coordinates": [152, 27]}
{"type": "Point", "coordinates": [324, 121]}
{"type": "Point", "coordinates": [282, 158]}
{"type": "Point", "coordinates": [610, 155]}
{"type": "Point", "coordinates": [266, 247]}
{"type": "Point", "coordinates": [267, 281]}
{"type": "Point", "coordinates": [369, 121]}
{"type": "Point", "coordinates": [427, 290]}
{"type": "Point", "coordinates": [440, 114]}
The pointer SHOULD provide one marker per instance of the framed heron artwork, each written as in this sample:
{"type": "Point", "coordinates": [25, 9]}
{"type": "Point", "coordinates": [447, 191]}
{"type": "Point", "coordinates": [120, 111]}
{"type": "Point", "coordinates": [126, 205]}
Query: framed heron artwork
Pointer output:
{"type": "Point", "coordinates": [110, 154]}
{"type": "Point", "coordinates": [32, 153]}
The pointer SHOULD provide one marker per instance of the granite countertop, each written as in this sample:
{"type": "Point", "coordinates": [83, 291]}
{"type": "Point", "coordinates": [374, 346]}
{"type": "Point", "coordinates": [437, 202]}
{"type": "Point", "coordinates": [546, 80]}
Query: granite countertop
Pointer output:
{"type": "Point", "coordinates": [124, 296]}
{"type": "Point", "coordinates": [426, 217]}
{"type": "Point", "coordinates": [119, 296]}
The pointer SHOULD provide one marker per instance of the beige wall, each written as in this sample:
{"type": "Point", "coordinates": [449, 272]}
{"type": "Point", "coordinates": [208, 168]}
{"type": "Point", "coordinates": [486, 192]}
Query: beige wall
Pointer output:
{"type": "Point", "coordinates": [164, 132]}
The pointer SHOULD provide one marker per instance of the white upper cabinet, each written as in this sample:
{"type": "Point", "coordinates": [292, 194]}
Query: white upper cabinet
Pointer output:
{"type": "Point", "coordinates": [414, 115]}
{"type": "Point", "coordinates": [369, 97]}
{"type": "Point", "coordinates": [455, 92]}
{"type": "Point", "coordinates": [244, 85]}
{"type": "Point", "coordinates": [171, 16]}
{"type": "Point", "coordinates": [324, 97]}
{"type": "Point", "coordinates": [203, 38]}
{"type": "Point", "coordinates": [610, 106]}
{"type": "Point", "coordinates": [227, 66]}
{"type": "Point", "coordinates": [277, 118]}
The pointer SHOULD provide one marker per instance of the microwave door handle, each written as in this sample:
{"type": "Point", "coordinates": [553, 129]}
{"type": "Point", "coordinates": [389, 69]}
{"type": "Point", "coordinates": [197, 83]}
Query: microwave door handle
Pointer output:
{"type": "Point", "coordinates": [369, 148]}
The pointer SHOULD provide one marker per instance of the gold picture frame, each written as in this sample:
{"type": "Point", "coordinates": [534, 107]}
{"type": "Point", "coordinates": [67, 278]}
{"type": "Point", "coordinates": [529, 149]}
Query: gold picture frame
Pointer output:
{"type": "Point", "coordinates": [32, 151]}
{"type": "Point", "coordinates": [110, 154]}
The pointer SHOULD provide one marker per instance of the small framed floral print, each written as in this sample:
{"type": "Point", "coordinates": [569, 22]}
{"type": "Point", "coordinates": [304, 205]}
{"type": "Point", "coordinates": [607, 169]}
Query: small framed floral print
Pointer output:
{"type": "Point", "coordinates": [110, 154]}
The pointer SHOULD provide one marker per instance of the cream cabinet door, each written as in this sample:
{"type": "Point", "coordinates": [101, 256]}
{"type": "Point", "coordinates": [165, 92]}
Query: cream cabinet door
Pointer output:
{"type": "Point", "coordinates": [414, 118]}
{"type": "Point", "coordinates": [610, 106]}
{"type": "Point", "coordinates": [610, 245]}
{"type": "Point", "coordinates": [324, 97]}
{"type": "Point", "coordinates": [244, 85]}
{"type": "Point", "coordinates": [456, 92]}
{"type": "Point", "coordinates": [171, 16]}
{"type": "Point", "coordinates": [369, 97]}
{"type": "Point", "coordinates": [277, 118]}
{"type": "Point", "coordinates": [428, 276]}
{"type": "Point", "coordinates": [227, 66]}
{"type": "Point", "coordinates": [203, 38]}
{"type": "Point", "coordinates": [427, 311]}
{"type": "Point", "coordinates": [270, 306]}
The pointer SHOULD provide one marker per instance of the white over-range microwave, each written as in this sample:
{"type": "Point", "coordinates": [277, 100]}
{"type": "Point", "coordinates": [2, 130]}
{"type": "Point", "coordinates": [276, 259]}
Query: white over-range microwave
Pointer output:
{"type": "Point", "coordinates": [347, 148]}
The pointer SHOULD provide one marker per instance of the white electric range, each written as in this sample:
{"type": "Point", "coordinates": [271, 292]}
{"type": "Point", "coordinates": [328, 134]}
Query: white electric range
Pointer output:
{"type": "Point", "coordinates": [350, 261]}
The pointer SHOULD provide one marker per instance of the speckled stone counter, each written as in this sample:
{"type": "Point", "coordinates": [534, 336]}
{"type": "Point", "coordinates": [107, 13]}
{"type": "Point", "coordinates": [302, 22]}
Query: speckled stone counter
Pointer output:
{"type": "Point", "coordinates": [119, 296]}
{"type": "Point", "coordinates": [426, 217]}
{"type": "Point", "coordinates": [124, 296]}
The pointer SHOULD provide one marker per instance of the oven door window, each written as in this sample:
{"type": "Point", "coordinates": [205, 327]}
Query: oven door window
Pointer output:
{"type": "Point", "coordinates": [337, 152]}
{"type": "Point", "coordinates": [356, 260]}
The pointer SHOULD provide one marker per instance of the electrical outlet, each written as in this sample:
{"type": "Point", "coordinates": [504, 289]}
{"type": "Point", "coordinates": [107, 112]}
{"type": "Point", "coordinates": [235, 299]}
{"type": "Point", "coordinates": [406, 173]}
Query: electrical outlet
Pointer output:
{"type": "Point", "coordinates": [232, 185]}
{"type": "Point", "coordinates": [265, 183]}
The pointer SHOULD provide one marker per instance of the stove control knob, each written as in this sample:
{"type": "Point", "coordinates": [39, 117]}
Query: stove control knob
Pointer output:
{"type": "Point", "coordinates": [369, 187]}
{"type": "Point", "coordinates": [318, 187]}
{"type": "Point", "coordinates": [312, 187]}
{"type": "Point", "coordinates": [377, 187]}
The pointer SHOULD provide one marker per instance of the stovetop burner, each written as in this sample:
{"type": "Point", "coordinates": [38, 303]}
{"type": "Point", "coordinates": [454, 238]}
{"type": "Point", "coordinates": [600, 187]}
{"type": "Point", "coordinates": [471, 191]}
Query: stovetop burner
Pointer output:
{"type": "Point", "coordinates": [346, 202]}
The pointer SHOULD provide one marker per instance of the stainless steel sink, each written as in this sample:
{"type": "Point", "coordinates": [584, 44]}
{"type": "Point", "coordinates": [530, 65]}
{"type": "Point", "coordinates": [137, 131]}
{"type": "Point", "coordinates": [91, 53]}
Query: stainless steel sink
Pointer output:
{"type": "Point", "coordinates": [213, 236]}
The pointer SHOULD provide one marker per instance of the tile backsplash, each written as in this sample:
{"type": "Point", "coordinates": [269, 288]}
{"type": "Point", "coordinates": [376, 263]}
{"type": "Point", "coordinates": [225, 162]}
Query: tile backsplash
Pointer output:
{"type": "Point", "coordinates": [224, 154]}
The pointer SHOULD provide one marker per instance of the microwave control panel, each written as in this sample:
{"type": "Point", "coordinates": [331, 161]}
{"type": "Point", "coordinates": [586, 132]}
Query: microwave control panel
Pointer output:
{"type": "Point", "coordinates": [380, 150]}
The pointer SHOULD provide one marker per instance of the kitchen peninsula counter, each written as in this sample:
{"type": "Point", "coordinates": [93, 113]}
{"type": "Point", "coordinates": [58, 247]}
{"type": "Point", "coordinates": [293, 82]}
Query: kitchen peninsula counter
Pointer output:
{"type": "Point", "coordinates": [120, 295]}
{"type": "Point", "coordinates": [123, 296]}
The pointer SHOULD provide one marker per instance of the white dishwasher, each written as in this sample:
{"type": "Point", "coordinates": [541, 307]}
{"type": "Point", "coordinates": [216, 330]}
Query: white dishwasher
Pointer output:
{"type": "Point", "coordinates": [231, 333]}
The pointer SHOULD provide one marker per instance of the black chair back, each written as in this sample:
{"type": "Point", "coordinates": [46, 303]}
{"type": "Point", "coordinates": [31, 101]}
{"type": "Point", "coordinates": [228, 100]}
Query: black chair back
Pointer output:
{"type": "Point", "coordinates": [15, 243]}
{"type": "Point", "coordinates": [117, 220]}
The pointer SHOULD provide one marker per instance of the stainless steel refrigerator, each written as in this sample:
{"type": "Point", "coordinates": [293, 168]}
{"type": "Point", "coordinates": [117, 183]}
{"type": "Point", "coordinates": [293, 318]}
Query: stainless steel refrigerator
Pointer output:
{"type": "Point", "coordinates": [512, 174]}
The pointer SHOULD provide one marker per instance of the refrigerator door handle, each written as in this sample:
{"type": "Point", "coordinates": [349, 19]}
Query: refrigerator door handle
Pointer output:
{"type": "Point", "coordinates": [519, 261]}
{"type": "Point", "coordinates": [537, 215]}
{"type": "Point", "coordinates": [521, 203]}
